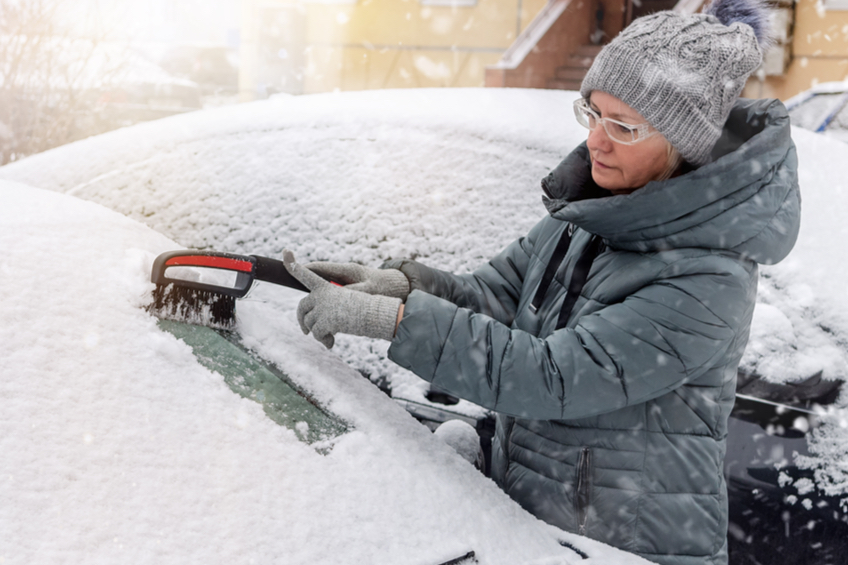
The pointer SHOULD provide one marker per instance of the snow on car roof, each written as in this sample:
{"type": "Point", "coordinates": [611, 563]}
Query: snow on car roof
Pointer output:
{"type": "Point", "coordinates": [425, 173]}
{"type": "Point", "coordinates": [118, 446]}
{"type": "Point", "coordinates": [836, 87]}
{"type": "Point", "coordinates": [448, 176]}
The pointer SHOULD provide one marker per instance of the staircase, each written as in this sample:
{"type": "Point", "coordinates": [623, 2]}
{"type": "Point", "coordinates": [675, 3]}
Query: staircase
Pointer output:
{"type": "Point", "coordinates": [562, 32]}
{"type": "Point", "coordinates": [570, 75]}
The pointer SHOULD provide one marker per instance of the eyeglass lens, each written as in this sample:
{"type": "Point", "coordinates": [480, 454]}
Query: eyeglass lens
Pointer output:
{"type": "Point", "coordinates": [618, 132]}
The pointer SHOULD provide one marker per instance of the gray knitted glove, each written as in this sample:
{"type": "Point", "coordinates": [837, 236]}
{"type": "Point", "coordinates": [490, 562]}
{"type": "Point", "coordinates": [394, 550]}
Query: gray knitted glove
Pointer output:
{"type": "Point", "coordinates": [388, 282]}
{"type": "Point", "coordinates": [330, 309]}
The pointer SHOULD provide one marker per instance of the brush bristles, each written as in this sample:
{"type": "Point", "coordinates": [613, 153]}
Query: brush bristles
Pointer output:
{"type": "Point", "coordinates": [198, 307]}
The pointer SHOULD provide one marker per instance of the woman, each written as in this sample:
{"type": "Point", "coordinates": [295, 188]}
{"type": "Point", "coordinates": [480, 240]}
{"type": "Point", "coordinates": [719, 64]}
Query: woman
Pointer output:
{"type": "Point", "coordinates": [608, 339]}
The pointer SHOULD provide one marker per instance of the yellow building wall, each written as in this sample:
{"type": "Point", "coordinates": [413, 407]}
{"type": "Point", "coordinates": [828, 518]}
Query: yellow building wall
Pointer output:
{"type": "Point", "coordinates": [491, 23]}
{"type": "Point", "coordinates": [359, 68]}
{"type": "Point", "coordinates": [529, 9]}
{"type": "Point", "coordinates": [819, 53]}
{"type": "Point", "coordinates": [392, 43]}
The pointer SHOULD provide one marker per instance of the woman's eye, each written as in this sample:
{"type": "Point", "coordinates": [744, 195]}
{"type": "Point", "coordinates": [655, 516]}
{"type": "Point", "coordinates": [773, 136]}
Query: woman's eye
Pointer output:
{"type": "Point", "coordinates": [624, 129]}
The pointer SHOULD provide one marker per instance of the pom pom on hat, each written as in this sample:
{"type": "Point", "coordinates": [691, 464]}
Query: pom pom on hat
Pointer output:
{"type": "Point", "coordinates": [684, 72]}
{"type": "Point", "coordinates": [753, 13]}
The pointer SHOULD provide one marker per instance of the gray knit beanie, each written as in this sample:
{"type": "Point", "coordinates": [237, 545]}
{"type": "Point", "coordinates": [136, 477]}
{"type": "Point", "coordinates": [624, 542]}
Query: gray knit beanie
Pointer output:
{"type": "Point", "coordinates": [683, 73]}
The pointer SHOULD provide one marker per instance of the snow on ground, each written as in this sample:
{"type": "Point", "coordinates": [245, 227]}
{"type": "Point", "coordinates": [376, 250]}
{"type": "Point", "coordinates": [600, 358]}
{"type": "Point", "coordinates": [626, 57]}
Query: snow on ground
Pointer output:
{"type": "Point", "coordinates": [447, 176]}
{"type": "Point", "coordinates": [118, 447]}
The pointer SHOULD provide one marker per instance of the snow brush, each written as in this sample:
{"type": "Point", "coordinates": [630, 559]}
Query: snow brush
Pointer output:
{"type": "Point", "coordinates": [201, 287]}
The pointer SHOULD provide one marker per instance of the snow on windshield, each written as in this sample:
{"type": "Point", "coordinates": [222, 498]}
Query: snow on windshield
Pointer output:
{"type": "Point", "coordinates": [445, 176]}
{"type": "Point", "coordinates": [118, 447]}
{"type": "Point", "coordinates": [448, 176]}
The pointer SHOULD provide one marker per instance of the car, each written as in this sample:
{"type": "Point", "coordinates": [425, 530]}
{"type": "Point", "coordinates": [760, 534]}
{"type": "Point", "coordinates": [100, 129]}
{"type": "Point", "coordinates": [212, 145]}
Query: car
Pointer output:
{"type": "Point", "coordinates": [213, 67]}
{"type": "Point", "coordinates": [64, 88]}
{"type": "Point", "coordinates": [128, 438]}
{"type": "Point", "coordinates": [142, 90]}
{"type": "Point", "coordinates": [822, 109]}
{"type": "Point", "coordinates": [371, 176]}
{"type": "Point", "coordinates": [134, 101]}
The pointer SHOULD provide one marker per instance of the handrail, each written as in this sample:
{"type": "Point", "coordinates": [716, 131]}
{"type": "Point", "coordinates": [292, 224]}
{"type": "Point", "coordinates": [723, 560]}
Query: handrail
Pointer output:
{"type": "Point", "coordinates": [547, 16]}
{"type": "Point", "coordinates": [532, 34]}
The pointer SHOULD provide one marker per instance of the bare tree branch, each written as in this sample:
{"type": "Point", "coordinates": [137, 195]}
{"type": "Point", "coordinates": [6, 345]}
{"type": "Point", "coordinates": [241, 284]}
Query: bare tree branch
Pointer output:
{"type": "Point", "coordinates": [49, 79]}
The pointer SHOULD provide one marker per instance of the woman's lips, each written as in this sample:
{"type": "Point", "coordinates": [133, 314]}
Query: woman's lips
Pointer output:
{"type": "Point", "coordinates": [600, 165]}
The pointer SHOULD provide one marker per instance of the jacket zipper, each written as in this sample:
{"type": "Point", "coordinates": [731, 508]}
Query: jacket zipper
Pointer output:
{"type": "Point", "coordinates": [510, 424]}
{"type": "Point", "coordinates": [584, 489]}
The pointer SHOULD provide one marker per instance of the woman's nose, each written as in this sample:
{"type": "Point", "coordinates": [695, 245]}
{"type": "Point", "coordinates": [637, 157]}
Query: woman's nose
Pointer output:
{"type": "Point", "coordinates": [598, 139]}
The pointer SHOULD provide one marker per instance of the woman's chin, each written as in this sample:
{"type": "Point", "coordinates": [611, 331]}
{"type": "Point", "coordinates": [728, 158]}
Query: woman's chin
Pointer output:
{"type": "Point", "coordinates": [602, 179]}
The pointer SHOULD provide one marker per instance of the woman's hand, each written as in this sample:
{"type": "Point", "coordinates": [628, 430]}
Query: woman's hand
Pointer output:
{"type": "Point", "coordinates": [331, 309]}
{"type": "Point", "coordinates": [388, 282]}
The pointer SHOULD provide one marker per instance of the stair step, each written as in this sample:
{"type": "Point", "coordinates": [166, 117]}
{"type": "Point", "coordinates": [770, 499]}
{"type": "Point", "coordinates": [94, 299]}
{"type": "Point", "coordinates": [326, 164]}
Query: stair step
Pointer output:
{"type": "Point", "coordinates": [560, 84]}
{"type": "Point", "coordinates": [570, 76]}
{"type": "Point", "coordinates": [570, 73]}
{"type": "Point", "coordinates": [589, 50]}
{"type": "Point", "coordinates": [579, 61]}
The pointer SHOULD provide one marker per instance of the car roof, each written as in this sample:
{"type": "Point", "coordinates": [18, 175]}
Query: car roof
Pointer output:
{"type": "Point", "coordinates": [834, 87]}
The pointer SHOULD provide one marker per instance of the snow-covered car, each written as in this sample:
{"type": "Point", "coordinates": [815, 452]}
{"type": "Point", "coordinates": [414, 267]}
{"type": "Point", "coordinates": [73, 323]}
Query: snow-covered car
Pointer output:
{"type": "Point", "coordinates": [131, 440]}
{"type": "Point", "coordinates": [142, 90]}
{"type": "Point", "coordinates": [822, 109]}
{"type": "Point", "coordinates": [428, 174]}
{"type": "Point", "coordinates": [213, 67]}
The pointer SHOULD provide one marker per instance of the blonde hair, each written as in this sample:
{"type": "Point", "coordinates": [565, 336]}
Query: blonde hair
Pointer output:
{"type": "Point", "coordinates": [675, 160]}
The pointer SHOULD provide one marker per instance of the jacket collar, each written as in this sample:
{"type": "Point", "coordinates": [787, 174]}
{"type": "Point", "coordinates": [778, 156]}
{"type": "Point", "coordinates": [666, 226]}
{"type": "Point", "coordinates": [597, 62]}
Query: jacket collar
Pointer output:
{"type": "Point", "coordinates": [745, 200]}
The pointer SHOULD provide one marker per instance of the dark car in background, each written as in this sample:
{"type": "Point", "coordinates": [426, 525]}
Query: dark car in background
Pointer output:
{"type": "Point", "coordinates": [131, 102]}
{"type": "Point", "coordinates": [213, 67]}
{"type": "Point", "coordinates": [776, 513]}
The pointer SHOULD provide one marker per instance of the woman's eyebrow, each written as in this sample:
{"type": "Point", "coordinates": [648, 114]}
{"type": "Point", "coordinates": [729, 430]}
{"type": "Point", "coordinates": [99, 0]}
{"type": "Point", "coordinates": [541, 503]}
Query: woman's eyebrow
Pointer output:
{"type": "Point", "coordinates": [612, 114]}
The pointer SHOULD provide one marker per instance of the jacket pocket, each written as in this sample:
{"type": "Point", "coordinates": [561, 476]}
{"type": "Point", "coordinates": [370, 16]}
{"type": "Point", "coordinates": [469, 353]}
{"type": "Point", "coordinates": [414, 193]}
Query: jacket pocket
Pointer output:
{"type": "Point", "coordinates": [583, 494]}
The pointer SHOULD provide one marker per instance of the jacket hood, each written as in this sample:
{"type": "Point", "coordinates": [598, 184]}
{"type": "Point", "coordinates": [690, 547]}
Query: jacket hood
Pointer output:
{"type": "Point", "coordinates": [745, 200]}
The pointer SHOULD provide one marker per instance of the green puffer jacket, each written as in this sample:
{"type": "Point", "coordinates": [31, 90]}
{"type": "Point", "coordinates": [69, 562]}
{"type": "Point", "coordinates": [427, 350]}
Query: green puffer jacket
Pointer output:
{"type": "Point", "coordinates": [614, 426]}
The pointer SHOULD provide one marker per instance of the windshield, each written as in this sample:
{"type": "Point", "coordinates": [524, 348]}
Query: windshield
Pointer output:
{"type": "Point", "coordinates": [251, 377]}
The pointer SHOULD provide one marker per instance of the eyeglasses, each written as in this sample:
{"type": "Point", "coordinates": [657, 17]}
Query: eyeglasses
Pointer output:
{"type": "Point", "coordinates": [620, 132]}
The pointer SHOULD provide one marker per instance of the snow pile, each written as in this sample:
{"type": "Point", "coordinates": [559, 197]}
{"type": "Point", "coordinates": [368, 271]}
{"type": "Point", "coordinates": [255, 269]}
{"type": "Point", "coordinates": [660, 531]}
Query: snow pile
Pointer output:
{"type": "Point", "coordinates": [446, 176]}
{"type": "Point", "coordinates": [118, 447]}
{"type": "Point", "coordinates": [462, 437]}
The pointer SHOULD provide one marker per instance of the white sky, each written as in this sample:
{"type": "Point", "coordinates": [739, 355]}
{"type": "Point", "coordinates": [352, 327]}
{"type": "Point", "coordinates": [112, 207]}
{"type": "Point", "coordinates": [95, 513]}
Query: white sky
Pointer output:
{"type": "Point", "coordinates": [168, 21]}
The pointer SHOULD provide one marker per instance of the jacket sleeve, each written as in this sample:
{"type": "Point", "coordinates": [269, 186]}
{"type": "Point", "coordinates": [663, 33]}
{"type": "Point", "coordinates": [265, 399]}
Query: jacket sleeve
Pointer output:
{"type": "Point", "coordinates": [661, 337]}
{"type": "Point", "coordinates": [494, 289]}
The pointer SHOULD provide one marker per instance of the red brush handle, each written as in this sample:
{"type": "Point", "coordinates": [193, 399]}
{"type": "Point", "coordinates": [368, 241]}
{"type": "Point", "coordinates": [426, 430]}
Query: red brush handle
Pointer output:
{"type": "Point", "coordinates": [210, 261]}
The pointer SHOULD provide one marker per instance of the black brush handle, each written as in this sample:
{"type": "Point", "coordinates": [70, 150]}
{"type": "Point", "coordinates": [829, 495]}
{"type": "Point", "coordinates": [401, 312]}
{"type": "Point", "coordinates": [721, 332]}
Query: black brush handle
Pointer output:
{"type": "Point", "coordinates": [461, 559]}
{"type": "Point", "coordinates": [274, 271]}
